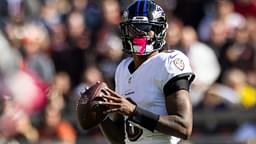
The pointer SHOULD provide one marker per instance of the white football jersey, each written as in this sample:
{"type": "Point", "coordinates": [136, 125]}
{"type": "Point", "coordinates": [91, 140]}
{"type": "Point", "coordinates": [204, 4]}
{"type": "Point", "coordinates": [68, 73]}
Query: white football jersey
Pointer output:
{"type": "Point", "coordinates": [145, 87]}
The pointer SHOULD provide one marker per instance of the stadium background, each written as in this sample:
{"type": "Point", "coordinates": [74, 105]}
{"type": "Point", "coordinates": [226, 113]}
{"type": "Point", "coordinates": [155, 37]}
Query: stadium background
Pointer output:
{"type": "Point", "coordinates": [51, 49]}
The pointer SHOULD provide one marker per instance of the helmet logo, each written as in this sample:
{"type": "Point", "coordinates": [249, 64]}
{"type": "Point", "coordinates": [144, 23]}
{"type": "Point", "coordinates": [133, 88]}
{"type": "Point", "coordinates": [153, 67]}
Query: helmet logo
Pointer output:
{"type": "Point", "coordinates": [158, 13]}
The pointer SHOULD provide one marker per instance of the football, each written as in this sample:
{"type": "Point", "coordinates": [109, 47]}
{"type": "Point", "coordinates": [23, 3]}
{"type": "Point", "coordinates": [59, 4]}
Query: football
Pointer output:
{"type": "Point", "coordinates": [89, 113]}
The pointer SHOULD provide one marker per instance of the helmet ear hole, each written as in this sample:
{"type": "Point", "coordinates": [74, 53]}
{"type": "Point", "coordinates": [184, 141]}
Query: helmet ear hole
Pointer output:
{"type": "Point", "coordinates": [161, 19]}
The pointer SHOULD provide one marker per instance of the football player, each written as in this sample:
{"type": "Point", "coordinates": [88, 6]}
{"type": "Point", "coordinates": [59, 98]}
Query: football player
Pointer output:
{"type": "Point", "coordinates": [151, 102]}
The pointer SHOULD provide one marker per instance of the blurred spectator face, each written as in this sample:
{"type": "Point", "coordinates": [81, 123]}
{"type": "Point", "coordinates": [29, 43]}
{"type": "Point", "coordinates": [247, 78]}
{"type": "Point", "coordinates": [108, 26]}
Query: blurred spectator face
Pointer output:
{"type": "Point", "coordinates": [16, 10]}
{"type": "Point", "coordinates": [188, 37]}
{"type": "Point", "coordinates": [174, 33]}
{"type": "Point", "coordinates": [63, 6]}
{"type": "Point", "coordinates": [57, 128]}
{"type": "Point", "coordinates": [76, 25]}
{"type": "Point", "coordinates": [92, 75]}
{"type": "Point", "coordinates": [251, 24]}
{"type": "Point", "coordinates": [211, 98]}
{"type": "Point", "coordinates": [61, 83]}
{"type": "Point", "coordinates": [52, 116]}
{"type": "Point", "coordinates": [15, 34]}
{"type": "Point", "coordinates": [242, 35]}
{"type": "Point", "coordinates": [251, 77]}
{"type": "Point", "coordinates": [49, 13]}
{"type": "Point", "coordinates": [111, 11]}
{"type": "Point", "coordinates": [35, 39]}
{"type": "Point", "coordinates": [235, 78]}
{"type": "Point", "coordinates": [77, 30]}
{"type": "Point", "coordinates": [58, 31]}
{"type": "Point", "coordinates": [58, 37]}
{"type": "Point", "coordinates": [218, 32]}
{"type": "Point", "coordinates": [224, 7]}
{"type": "Point", "coordinates": [80, 5]}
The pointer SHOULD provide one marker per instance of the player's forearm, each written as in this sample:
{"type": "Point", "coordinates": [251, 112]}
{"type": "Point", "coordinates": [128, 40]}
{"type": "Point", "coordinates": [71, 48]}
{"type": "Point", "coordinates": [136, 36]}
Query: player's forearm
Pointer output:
{"type": "Point", "coordinates": [175, 126]}
{"type": "Point", "coordinates": [113, 131]}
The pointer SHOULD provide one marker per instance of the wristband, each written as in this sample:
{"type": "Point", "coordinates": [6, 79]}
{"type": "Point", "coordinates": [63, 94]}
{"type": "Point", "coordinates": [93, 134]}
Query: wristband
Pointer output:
{"type": "Point", "coordinates": [144, 118]}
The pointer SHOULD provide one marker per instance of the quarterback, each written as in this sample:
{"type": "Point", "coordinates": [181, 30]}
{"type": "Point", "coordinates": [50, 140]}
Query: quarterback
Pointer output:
{"type": "Point", "coordinates": [151, 102]}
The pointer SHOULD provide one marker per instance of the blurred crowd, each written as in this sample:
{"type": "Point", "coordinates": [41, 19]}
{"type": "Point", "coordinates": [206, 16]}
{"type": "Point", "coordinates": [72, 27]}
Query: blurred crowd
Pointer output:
{"type": "Point", "coordinates": [52, 49]}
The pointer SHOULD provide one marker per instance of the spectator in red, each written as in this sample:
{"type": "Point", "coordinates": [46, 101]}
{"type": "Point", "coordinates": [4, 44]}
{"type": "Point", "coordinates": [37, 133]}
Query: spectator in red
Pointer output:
{"type": "Point", "coordinates": [55, 128]}
{"type": "Point", "coordinates": [246, 7]}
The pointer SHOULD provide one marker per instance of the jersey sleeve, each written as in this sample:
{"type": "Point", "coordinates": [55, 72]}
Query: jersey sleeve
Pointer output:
{"type": "Point", "coordinates": [117, 77]}
{"type": "Point", "coordinates": [176, 65]}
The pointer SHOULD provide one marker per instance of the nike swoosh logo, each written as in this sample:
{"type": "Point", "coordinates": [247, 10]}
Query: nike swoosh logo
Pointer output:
{"type": "Point", "coordinates": [173, 56]}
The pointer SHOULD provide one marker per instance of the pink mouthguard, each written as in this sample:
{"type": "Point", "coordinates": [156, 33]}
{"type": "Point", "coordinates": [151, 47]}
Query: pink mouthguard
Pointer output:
{"type": "Point", "coordinates": [142, 43]}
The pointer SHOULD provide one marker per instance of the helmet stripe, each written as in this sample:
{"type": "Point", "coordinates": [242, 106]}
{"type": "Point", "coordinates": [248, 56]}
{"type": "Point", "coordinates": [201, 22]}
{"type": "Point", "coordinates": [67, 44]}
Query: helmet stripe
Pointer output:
{"type": "Point", "coordinates": [137, 8]}
{"type": "Point", "coordinates": [142, 11]}
{"type": "Point", "coordinates": [145, 8]}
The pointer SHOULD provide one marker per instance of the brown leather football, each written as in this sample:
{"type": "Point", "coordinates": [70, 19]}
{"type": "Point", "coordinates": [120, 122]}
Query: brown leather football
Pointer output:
{"type": "Point", "coordinates": [89, 113]}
